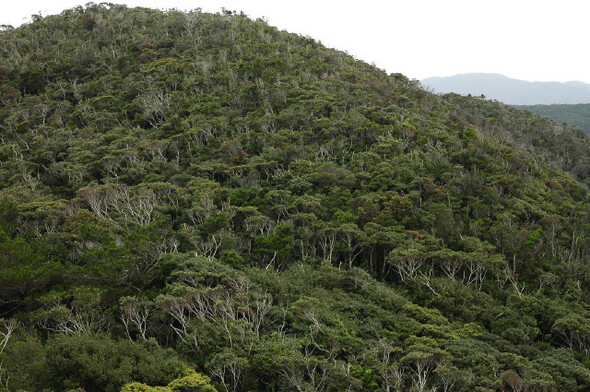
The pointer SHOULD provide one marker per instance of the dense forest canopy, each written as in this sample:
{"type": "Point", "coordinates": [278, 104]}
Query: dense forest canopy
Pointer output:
{"type": "Point", "coordinates": [201, 202]}
{"type": "Point", "coordinates": [574, 115]}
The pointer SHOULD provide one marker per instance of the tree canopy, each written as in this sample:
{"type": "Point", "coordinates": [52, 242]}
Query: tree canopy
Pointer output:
{"type": "Point", "coordinates": [201, 202]}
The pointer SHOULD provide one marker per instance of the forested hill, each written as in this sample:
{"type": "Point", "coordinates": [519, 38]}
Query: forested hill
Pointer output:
{"type": "Point", "coordinates": [574, 115]}
{"type": "Point", "coordinates": [200, 202]}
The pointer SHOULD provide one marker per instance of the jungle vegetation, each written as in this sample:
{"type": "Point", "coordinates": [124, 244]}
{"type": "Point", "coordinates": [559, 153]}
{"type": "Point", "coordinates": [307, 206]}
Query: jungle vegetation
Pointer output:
{"type": "Point", "coordinates": [201, 202]}
{"type": "Point", "coordinates": [574, 115]}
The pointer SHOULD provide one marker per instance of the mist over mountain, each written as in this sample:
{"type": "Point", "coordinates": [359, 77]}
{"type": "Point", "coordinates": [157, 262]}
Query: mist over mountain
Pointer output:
{"type": "Point", "coordinates": [201, 202]}
{"type": "Point", "coordinates": [511, 91]}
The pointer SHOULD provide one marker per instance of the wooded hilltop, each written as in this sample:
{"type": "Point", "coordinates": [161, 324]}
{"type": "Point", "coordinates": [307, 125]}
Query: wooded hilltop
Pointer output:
{"type": "Point", "coordinates": [201, 202]}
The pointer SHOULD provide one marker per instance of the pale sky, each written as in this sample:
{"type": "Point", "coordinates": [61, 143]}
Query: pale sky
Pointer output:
{"type": "Point", "coordinates": [536, 40]}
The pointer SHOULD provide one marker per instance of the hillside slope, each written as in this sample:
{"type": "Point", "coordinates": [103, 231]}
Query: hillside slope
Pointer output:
{"type": "Point", "coordinates": [511, 91]}
{"type": "Point", "coordinates": [574, 115]}
{"type": "Point", "coordinates": [189, 192]}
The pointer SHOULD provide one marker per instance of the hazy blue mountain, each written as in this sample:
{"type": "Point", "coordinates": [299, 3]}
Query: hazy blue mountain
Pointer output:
{"type": "Point", "coordinates": [511, 91]}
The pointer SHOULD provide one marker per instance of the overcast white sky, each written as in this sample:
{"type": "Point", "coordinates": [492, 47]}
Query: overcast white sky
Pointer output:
{"type": "Point", "coordinates": [524, 39]}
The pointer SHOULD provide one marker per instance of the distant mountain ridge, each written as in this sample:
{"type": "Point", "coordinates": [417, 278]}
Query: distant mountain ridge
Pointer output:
{"type": "Point", "coordinates": [511, 91]}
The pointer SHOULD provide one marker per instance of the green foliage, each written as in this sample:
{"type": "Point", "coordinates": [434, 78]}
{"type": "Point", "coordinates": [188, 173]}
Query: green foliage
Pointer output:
{"type": "Point", "coordinates": [575, 115]}
{"type": "Point", "coordinates": [193, 382]}
{"type": "Point", "coordinates": [276, 215]}
{"type": "Point", "coordinates": [105, 364]}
